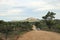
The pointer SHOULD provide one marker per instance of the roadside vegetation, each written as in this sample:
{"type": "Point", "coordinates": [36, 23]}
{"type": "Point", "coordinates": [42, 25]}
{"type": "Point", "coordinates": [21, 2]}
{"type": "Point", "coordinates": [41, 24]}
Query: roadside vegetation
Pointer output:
{"type": "Point", "coordinates": [48, 23]}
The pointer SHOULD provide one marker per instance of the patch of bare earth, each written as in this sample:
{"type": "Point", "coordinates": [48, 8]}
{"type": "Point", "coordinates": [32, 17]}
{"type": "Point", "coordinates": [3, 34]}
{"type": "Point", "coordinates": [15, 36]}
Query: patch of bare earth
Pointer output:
{"type": "Point", "coordinates": [40, 35]}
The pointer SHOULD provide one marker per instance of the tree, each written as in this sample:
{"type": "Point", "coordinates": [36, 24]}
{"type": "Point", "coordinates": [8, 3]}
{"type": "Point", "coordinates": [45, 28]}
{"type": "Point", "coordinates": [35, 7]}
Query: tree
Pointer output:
{"type": "Point", "coordinates": [49, 19]}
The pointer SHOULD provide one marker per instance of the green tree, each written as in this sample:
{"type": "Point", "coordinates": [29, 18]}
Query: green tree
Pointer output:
{"type": "Point", "coordinates": [49, 19]}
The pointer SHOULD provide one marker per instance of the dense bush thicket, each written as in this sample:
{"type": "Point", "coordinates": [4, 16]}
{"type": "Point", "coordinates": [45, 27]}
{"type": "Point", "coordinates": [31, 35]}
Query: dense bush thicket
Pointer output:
{"type": "Point", "coordinates": [42, 25]}
{"type": "Point", "coordinates": [14, 28]}
{"type": "Point", "coordinates": [6, 27]}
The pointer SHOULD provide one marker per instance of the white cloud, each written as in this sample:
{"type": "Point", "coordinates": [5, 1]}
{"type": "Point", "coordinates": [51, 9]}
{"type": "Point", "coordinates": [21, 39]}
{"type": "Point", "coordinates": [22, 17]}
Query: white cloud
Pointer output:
{"type": "Point", "coordinates": [46, 7]}
{"type": "Point", "coordinates": [2, 14]}
{"type": "Point", "coordinates": [31, 3]}
{"type": "Point", "coordinates": [12, 12]}
{"type": "Point", "coordinates": [58, 5]}
{"type": "Point", "coordinates": [15, 11]}
{"type": "Point", "coordinates": [35, 4]}
{"type": "Point", "coordinates": [7, 2]}
{"type": "Point", "coordinates": [7, 7]}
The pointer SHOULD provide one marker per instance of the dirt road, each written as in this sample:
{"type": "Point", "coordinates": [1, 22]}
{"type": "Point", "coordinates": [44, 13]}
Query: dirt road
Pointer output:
{"type": "Point", "coordinates": [40, 35]}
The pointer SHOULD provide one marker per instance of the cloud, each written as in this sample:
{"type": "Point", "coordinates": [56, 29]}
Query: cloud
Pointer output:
{"type": "Point", "coordinates": [27, 8]}
{"type": "Point", "coordinates": [7, 2]}
{"type": "Point", "coordinates": [15, 11]}
{"type": "Point", "coordinates": [48, 7]}
{"type": "Point", "coordinates": [46, 4]}
{"type": "Point", "coordinates": [11, 12]}
{"type": "Point", "coordinates": [35, 4]}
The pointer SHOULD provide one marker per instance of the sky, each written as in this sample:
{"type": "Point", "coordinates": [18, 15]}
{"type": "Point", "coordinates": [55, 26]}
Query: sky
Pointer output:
{"type": "Point", "coordinates": [22, 9]}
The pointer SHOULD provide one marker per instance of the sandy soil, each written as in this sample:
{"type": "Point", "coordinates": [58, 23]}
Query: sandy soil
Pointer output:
{"type": "Point", "coordinates": [40, 35]}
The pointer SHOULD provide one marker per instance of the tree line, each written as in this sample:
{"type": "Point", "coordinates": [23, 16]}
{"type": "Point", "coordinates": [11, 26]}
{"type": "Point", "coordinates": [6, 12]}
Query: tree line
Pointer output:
{"type": "Point", "coordinates": [47, 20]}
